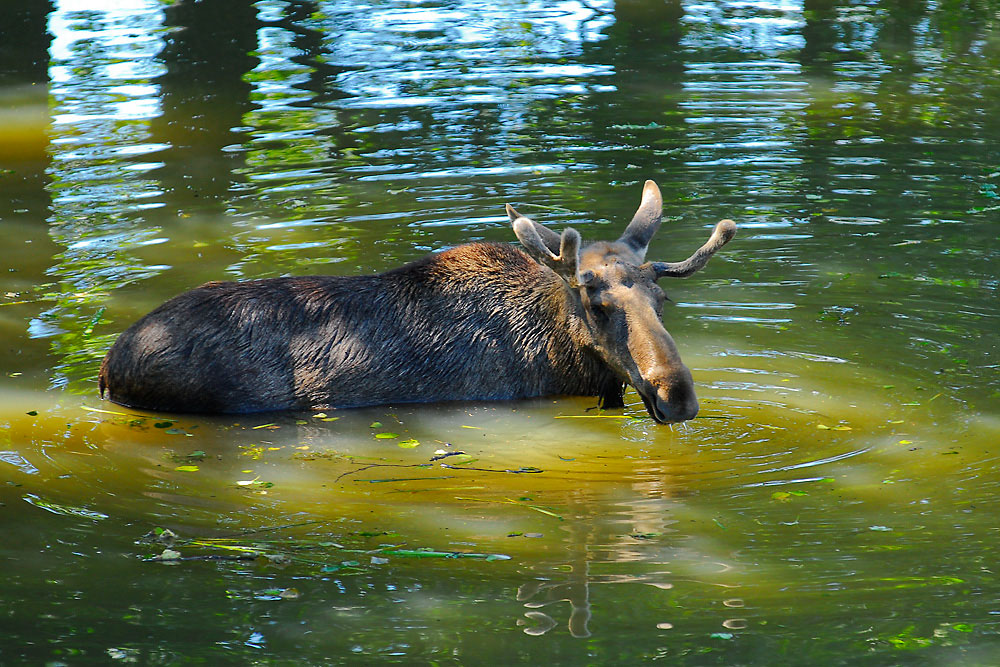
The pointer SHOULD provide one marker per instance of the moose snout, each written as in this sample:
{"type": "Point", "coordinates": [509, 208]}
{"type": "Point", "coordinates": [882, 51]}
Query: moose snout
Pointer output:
{"type": "Point", "coordinates": [669, 395]}
{"type": "Point", "coordinates": [677, 409]}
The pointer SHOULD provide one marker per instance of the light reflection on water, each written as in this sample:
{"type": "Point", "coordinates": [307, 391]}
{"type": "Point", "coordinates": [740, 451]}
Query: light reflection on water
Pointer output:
{"type": "Point", "coordinates": [843, 344]}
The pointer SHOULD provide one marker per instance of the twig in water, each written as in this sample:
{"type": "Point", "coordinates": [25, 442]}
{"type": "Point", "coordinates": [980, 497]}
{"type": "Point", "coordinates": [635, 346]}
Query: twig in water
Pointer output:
{"type": "Point", "coordinates": [523, 469]}
{"type": "Point", "coordinates": [381, 465]}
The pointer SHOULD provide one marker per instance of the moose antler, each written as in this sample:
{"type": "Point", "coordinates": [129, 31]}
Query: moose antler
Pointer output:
{"type": "Point", "coordinates": [646, 220]}
{"type": "Point", "coordinates": [724, 231]}
{"type": "Point", "coordinates": [540, 242]}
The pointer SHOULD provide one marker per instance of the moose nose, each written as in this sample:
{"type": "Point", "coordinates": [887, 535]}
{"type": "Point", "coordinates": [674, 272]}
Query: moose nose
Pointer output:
{"type": "Point", "coordinates": [669, 395]}
{"type": "Point", "coordinates": [667, 410]}
{"type": "Point", "coordinates": [677, 408]}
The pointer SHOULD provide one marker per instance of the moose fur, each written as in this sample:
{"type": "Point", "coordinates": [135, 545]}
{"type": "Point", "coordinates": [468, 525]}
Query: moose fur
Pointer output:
{"type": "Point", "coordinates": [480, 321]}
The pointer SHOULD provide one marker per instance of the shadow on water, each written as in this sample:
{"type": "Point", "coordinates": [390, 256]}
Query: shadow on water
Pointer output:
{"type": "Point", "coordinates": [834, 502]}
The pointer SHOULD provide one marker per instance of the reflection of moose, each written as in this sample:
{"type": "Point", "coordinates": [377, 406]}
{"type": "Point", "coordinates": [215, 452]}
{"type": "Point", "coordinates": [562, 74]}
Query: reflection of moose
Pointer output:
{"type": "Point", "coordinates": [571, 582]}
{"type": "Point", "coordinates": [480, 321]}
{"type": "Point", "coordinates": [538, 594]}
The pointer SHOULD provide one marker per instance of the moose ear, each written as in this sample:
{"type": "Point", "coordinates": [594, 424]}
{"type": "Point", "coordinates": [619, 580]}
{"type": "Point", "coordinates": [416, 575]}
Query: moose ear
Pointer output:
{"type": "Point", "coordinates": [646, 220]}
{"type": "Point", "coordinates": [566, 263]}
{"type": "Point", "coordinates": [547, 236]}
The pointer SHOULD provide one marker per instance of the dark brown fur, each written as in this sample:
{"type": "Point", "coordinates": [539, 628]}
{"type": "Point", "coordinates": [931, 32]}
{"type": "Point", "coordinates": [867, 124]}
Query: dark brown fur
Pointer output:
{"type": "Point", "coordinates": [478, 322]}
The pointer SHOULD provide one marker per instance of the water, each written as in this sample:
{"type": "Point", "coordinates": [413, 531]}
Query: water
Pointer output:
{"type": "Point", "coordinates": [835, 501]}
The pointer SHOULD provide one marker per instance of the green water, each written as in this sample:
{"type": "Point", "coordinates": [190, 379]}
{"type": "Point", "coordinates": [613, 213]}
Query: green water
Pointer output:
{"type": "Point", "coordinates": [834, 503]}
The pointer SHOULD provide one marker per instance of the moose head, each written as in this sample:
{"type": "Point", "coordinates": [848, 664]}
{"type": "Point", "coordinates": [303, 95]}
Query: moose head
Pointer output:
{"type": "Point", "coordinates": [618, 305]}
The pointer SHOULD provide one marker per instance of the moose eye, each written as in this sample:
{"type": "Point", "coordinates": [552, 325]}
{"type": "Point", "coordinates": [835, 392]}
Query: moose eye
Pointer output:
{"type": "Point", "coordinates": [661, 299]}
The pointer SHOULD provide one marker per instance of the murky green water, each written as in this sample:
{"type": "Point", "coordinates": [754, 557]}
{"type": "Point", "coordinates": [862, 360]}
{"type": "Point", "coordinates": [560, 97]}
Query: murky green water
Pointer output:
{"type": "Point", "coordinates": [834, 503]}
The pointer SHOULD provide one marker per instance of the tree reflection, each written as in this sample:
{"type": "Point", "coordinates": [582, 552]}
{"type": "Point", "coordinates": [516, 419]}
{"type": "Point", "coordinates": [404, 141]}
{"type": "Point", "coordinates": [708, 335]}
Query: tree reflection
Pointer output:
{"type": "Point", "coordinates": [204, 96]}
{"type": "Point", "coordinates": [24, 77]}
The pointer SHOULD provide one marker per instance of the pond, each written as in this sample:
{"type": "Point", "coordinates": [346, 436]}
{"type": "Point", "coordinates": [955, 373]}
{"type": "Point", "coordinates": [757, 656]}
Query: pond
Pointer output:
{"type": "Point", "coordinates": [834, 502]}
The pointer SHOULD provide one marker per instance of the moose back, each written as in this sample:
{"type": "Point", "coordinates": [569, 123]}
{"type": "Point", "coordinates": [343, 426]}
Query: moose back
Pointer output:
{"type": "Point", "coordinates": [480, 321]}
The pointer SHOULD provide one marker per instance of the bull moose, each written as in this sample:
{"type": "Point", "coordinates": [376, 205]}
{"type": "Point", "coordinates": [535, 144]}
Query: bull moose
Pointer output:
{"type": "Point", "coordinates": [481, 321]}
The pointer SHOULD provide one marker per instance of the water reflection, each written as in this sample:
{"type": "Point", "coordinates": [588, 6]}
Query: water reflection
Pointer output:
{"type": "Point", "coordinates": [450, 116]}
{"type": "Point", "coordinates": [207, 49]}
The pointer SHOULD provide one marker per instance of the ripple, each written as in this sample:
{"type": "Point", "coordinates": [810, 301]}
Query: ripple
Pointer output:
{"type": "Point", "coordinates": [774, 354]}
{"type": "Point", "coordinates": [808, 464]}
{"type": "Point", "coordinates": [745, 319]}
{"type": "Point", "coordinates": [478, 172]}
{"type": "Point", "coordinates": [855, 220]}
{"type": "Point", "coordinates": [732, 305]}
{"type": "Point", "coordinates": [18, 461]}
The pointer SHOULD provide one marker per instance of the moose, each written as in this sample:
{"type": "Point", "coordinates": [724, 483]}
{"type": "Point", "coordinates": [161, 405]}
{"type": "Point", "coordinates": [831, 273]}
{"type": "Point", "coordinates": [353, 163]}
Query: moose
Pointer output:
{"type": "Point", "coordinates": [477, 322]}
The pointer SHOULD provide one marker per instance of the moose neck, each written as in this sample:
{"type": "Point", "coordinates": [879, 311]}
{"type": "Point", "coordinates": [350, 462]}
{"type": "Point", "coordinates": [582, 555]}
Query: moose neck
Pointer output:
{"type": "Point", "coordinates": [579, 352]}
{"type": "Point", "coordinates": [541, 315]}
